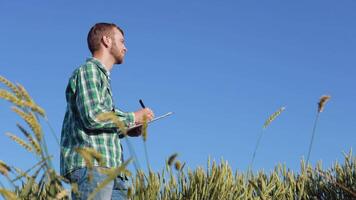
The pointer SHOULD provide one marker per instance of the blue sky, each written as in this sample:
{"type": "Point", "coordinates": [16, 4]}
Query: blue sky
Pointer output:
{"type": "Point", "coordinates": [222, 66]}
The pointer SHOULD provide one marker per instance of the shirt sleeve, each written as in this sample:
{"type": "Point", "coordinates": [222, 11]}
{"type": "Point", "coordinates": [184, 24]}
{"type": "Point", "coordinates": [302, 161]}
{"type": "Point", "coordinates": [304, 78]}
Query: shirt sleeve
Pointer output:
{"type": "Point", "coordinates": [90, 100]}
{"type": "Point", "coordinates": [127, 117]}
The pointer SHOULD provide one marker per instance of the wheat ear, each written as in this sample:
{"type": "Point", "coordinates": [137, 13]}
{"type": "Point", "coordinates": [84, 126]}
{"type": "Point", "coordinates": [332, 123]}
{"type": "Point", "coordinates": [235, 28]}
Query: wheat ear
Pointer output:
{"type": "Point", "coordinates": [11, 98]}
{"type": "Point", "coordinates": [4, 168]}
{"type": "Point", "coordinates": [20, 141]}
{"type": "Point", "coordinates": [34, 142]}
{"type": "Point", "coordinates": [31, 121]}
{"type": "Point", "coordinates": [10, 85]}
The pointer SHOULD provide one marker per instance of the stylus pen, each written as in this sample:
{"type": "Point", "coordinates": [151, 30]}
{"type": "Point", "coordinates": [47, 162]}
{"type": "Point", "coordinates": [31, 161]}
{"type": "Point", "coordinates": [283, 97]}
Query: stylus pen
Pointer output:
{"type": "Point", "coordinates": [142, 105]}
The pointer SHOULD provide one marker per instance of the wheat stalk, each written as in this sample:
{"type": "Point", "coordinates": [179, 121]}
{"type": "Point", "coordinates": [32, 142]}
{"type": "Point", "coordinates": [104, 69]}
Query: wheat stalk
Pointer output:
{"type": "Point", "coordinates": [266, 124]}
{"type": "Point", "coordinates": [321, 104]}
{"type": "Point", "coordinates": [20, 141]}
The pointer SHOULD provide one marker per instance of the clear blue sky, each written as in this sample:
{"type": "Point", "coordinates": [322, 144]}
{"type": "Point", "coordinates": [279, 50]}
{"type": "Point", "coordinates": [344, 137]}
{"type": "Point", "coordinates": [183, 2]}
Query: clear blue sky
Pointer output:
{"type": "Point", "coordinates": [222, 66]}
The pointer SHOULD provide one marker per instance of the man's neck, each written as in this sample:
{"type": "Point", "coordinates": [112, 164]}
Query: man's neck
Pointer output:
{"type": "Point", "coordinates": [105, 60]}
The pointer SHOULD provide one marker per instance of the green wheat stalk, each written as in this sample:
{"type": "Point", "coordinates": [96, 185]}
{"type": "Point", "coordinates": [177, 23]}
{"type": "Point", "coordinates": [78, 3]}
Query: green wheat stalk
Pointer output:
{"type": "Point", "coordinates": [266, 124]}
{"type": "Point", "coordinates": [321, 105]}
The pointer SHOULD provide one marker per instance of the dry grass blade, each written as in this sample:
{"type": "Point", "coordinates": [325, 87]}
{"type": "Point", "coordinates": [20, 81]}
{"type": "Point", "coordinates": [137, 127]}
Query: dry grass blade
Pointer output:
{"type": "Point", "coordinates": [273, 117]}
{"type": "Point", "coordinates": [4, 168]}
{"type": "Point", "coordinates": [322, 102]}
{"type": "Point", "coordinates": [20, 141]}
{"type": "Point", "coordinates": [10, 85]}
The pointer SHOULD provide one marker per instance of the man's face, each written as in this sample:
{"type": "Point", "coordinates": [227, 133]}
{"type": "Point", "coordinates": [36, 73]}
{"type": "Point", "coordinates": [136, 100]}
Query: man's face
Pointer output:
{"type": "Point", "coordinates": [118, 48]}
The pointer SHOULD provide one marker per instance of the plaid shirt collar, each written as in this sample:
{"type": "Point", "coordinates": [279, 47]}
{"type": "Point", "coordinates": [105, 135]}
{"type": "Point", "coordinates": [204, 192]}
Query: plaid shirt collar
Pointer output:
{"type": "Point", "coordinates": [100, 65]}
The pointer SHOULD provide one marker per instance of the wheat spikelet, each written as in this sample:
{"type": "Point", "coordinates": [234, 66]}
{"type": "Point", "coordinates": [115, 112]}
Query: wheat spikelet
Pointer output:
{"type": "Point", "coordinates": [322, 102]}
{"type": "Point", "coordinates": [110, 116]}
{"type": "Point", "coordinates": [34, 142]}
{"type": "Point", "coordinates": [20, 141]}
{"type": "Point", "coordinates": [35, 108]}
{"type": "Point", "coordinates": [273, 117]}
{"type": "Point", "coordinates": [31, 121]}
{"type": "Point", "coordinates": [24, 93]}
{"type": "Point", "coordinates": [11, 98]}
{"type": "Point", "coordinates": [171, 159]}
{"type": "Point", "coordinates": [177, 165]}
{"type": "Point", "coordinates": [62, 194]}
{"type": "Point", "coordinates": [10, 85]}
{"type": "Point", "coordinates": [4, 168]}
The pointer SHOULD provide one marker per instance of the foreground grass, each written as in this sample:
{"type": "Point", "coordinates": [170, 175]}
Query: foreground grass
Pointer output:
{"type": "Point", "coordinates": [218, 181]}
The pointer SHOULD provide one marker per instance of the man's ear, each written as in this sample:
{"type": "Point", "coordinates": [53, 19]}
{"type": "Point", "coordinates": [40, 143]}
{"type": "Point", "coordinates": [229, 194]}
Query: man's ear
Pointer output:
{"type": "Point", "coordinates": [106, 41]}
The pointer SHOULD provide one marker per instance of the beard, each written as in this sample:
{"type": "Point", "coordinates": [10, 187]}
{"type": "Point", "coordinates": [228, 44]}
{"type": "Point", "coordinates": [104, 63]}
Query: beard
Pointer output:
{"type": "Point", "coordinates": [118, 56]}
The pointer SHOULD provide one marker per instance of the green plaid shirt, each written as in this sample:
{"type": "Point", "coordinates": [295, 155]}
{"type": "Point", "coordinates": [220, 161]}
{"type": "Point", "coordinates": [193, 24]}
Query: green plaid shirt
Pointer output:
{"type": "Point", "coordinates": [88, 94]}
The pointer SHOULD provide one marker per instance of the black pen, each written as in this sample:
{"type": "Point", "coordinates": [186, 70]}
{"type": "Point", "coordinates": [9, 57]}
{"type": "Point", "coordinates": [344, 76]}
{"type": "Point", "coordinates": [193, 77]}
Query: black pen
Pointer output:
{"type": "Point", "coordinates": [142, 105]}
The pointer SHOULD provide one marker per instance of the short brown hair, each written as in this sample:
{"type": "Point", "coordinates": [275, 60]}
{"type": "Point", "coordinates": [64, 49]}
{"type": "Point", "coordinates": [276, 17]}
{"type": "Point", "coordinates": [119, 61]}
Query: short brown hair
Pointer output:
{"type": "Point", "coordinates": [97, 32]}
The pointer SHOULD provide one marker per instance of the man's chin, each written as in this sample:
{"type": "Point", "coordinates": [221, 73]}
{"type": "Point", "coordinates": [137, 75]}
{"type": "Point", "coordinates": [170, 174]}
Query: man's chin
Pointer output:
{"type": "Point", "coordinates": [118, 62]}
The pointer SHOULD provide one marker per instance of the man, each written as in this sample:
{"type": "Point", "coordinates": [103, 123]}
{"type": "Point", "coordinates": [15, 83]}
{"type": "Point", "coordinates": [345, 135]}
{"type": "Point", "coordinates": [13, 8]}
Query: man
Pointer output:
{"type": "Point", "coordinates": [89, 94]}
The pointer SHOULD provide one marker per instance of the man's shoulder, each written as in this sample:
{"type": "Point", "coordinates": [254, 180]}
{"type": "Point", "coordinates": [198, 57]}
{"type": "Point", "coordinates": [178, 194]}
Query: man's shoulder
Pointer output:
{"type": "Point", "coordinates": [85, 67]}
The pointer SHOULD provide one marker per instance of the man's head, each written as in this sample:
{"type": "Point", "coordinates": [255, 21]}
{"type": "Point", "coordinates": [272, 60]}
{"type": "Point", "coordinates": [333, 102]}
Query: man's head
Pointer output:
{"type": "Point", "coordinates": [109, 39]}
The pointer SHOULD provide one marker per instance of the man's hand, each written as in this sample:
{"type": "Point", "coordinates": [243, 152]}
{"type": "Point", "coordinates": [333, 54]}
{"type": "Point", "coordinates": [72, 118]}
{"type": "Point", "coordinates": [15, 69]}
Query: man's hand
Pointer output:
{"type": "Point", "coordinates": [139, 115]}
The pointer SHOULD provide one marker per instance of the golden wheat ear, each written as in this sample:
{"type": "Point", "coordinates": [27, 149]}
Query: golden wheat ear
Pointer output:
{"type": "Point", "coordinates": [32, 122]}
{"type": "Point", "coordinates": [4, 168]}
{"type": "Point", "coordinates": [20, 141]}
{"type": "Point", "coordinates": [10, 85]}
{"type": "Point", "coordinates": [20, 103]}
{"type": "Point", "coordinates": [23, 92]}
{"type": "Point", "coordinates": [273, 117]}
{"type": "Point", "coordinates": [33, 141]}
{"type": "Point", "coordinates": [110, 116]}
